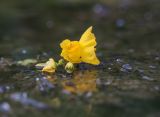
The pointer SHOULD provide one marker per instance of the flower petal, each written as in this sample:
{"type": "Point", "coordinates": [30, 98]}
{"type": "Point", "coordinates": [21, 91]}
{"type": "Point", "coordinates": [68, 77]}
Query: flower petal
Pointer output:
{"type": "Point", "coordinates": [88, 38]}
{"type": "Point", "coordinates": [88, 55]}
{"type": "Point", "coordinates": [65, 43]}
{"type": "Point", "coordinates": [71, 52]}
{"type": "Point", "coordinates": [88, 43]}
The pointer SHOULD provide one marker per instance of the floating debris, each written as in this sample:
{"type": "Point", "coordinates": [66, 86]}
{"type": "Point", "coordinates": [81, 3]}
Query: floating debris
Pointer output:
{"type": "Point", "coordinates": [26, 62]}
{"type": "Point", "coordinates": [23, 98]}
{"type": "Point", "coordinates": [5, 107]}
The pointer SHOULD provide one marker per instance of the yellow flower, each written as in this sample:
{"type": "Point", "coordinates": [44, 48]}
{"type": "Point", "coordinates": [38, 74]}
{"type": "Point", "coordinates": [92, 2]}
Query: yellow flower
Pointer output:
{"type": "Point", "coordinates": [82, 50]}
{"type": "Point", "coordinates": [50, 66]}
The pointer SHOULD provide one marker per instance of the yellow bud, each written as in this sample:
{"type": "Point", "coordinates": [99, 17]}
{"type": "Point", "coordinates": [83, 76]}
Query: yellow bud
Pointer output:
{"type": "Point", "coordinates": [69, 67]}
{"type": "Point", "coordinates": [61, 62]}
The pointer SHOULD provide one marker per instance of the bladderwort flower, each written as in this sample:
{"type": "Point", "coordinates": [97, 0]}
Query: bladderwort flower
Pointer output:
{"type": "Point", "coordinates": [82, 50]}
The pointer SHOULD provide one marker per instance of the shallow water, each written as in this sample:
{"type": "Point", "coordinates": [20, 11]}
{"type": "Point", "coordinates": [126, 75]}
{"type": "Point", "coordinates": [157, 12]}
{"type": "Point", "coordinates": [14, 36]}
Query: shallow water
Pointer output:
{"type": "Point", "coordinates": [126, 83]}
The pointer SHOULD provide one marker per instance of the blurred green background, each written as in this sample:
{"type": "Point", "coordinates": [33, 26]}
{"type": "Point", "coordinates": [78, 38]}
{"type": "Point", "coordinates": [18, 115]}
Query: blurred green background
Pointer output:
{"type": "Point", "coordinates": [122, 24]}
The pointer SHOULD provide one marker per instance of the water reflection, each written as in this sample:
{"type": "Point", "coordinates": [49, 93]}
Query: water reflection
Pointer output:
{"type": "Point", "coordinates": [81, 82]}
